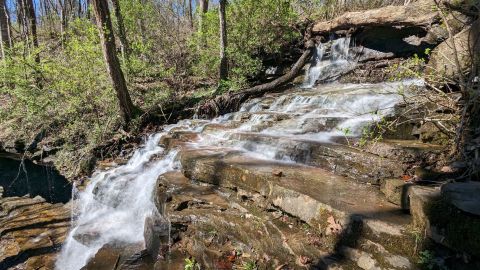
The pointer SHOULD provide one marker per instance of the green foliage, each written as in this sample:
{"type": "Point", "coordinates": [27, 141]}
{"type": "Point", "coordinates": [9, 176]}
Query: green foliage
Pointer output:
{"type": "Point", "coordinates": [375, 132]}
{"type": "Point", "coordinates": [69, 88]}
{"type": "Point", "coordinates": [426, 258]}
{"type": "Point", "coordinates": [254, 28]}
{"type": "Point", "coordinates": [413, 67]}
{"type": "Point", "coordinates": [428, 261]}
{"type": "Point", "coordinates": [191, 264]}
{"type": "Point", "coordinates": [250, 265]}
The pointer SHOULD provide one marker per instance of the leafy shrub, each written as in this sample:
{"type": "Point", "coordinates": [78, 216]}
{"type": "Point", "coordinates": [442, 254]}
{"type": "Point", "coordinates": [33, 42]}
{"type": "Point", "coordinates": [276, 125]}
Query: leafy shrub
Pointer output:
{"type": "Point", "coordinates": [254, 28]}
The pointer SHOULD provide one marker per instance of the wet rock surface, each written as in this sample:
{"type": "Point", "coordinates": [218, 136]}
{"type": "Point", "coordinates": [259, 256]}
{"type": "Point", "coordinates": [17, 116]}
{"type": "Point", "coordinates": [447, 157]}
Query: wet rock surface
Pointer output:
{"type": "Point", "coordinates": [31, 232]}
{"type": "Point", "coordinates": [277, 186]}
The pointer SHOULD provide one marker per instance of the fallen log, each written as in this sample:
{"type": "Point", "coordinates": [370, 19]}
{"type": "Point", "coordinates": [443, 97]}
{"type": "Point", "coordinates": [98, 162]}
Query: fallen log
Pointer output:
{"type": "Point", "coordinates": [416, 14]}
{"type": "Point", "coordinates": [232, 101]}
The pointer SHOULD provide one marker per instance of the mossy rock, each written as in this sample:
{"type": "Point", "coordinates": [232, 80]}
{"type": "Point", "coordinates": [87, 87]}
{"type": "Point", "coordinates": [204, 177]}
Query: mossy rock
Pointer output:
{"type": "Point", "coordinates": [458, 230]}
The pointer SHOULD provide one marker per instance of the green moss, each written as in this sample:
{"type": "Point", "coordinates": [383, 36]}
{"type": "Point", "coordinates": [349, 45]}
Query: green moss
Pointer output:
{"type": "Point", "coordinates": [461, 231]}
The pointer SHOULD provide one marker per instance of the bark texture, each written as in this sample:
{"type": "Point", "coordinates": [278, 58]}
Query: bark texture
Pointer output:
{"type": "Point", "coordinates": [223, 41]}
{"type": "Point", "coordinates": [232, 101]}
{"type": "Point", "coordinates": [30, 10]}
{"type": "Point", "coordinates": [121, 28]}
{"type": "Point", "coordinates": [104, 24]}
{"type": "Point", "coordinates": [5, 35]}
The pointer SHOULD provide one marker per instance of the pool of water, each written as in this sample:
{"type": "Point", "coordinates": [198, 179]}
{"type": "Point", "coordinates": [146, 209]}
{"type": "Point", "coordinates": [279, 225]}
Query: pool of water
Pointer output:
{"type": "Point", "coordinates": [19, 179]}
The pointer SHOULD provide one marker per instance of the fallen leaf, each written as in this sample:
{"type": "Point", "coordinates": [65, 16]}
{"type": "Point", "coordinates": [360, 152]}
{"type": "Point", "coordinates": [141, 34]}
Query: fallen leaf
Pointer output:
{"type": "Point", "coordinates": [277, 173]}
{"type": "Point", "coordinates": [232, 256]}
{"type": "Point", "coordinates": [333, 227]}
{"type": "Point", "coordinates": [304, 260]}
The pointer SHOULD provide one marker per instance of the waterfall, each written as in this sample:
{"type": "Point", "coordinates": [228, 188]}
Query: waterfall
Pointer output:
{"type": "Point", "coordinates": [117, 203]}
{"type": "Point", "coordinates": [114, 205]}
{"type": "Point", "coordinates": [332, 66]}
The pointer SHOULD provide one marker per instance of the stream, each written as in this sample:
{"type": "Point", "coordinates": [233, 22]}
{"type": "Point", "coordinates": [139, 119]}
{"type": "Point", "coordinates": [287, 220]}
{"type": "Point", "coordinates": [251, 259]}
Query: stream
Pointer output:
{"type": "Point", "coordinates": [113, 207]}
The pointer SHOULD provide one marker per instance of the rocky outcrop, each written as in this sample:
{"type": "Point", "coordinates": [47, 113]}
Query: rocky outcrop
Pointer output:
{"type": "Point", "coordinates": [435, 212]}
{"type": "Point", "coordinates": [31, 232]}
{"type": "Point", "coordinates": [445, 66]}
{"type": "Point", "coordinates": [418, 14]}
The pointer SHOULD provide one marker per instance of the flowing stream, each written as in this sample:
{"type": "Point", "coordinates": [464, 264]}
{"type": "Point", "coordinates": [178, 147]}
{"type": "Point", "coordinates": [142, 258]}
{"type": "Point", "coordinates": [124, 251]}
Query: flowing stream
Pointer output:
{"type": "Point", "coordinates": [114, 205]}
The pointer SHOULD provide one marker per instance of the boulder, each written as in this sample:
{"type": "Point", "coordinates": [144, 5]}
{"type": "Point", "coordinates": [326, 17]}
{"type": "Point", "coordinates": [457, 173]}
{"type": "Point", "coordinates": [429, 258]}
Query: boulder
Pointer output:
{"type": "Point", "coordinates": [156, 233]}
{"type": "Point", "coordinates": [442, 66]}
{"type": "Point", "coordinates": [433, 211]}
{"type": "Point", "coordinates": [396, 191]}
{"type": "Point", "coordinates": [120, 256]}
{"type": "Point", "coordinates": [465, 196]}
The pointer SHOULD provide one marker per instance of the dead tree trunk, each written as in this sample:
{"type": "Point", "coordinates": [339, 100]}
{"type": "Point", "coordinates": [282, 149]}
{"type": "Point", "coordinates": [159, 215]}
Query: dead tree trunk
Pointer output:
{"type": "Point", "coordinates": [5, 35]}
{"type": "Point", "coordinates": [104, 24]}
{"type": "Point", "coordinates": [223, 41]}
{"type": "Point", "coordinates": [231, 101]}
{"type": "Point", "coordinates": [121, 29]}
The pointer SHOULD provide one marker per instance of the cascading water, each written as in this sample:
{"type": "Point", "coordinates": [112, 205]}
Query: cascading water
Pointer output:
{"type": "Point", "coordinates": [115, 204]}
{"type": "Point", "coordinates": [332, 66]}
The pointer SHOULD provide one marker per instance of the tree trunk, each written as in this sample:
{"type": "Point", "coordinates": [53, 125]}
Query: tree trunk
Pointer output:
{"type": "Point", "coordinates": [22, 21]}
{"type": "Point", "coordinates": [5, 35]}
{"type": "Point", "coordinates": [32, 20]}
{"type": "Point", "coordinates": [203, 8]}
{"type": "Point", "coordinates": [63, 18]}
{"type": "Point", "coordinates": [79, 9]}
{"type": "Point", "coordinates": [203, 5]}
{"type": "Point", "coordinates": [104, 24]}
{"type": "Point", "coordinates": [223, 41]}
{"type": "Point", "coordinates": [121, 29]}
{"type": "Point", "coordinates": [231, 101]}
{"type": "Point", "coordinates": [190, 13]}
{"type": "Point", "coordinates": [28, 22]}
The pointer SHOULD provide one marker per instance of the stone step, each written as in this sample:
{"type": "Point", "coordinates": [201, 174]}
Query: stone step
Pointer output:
{"type": "Point", "coordinates": [338, 158]}
{"type": "Point", "coordinates": [370, 163]}
{"type": "Point", "coordinates": [329, 203]}
{"type": "Point", "coordinates": [251, 227]}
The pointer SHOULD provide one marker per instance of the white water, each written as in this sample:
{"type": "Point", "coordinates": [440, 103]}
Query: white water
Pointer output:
{"type": "Point", "coordinates": [329, 68]}
{"type": "Point", "coordinates": [117, 210]}
{"type": "Point", "coordinates": [114, 205]}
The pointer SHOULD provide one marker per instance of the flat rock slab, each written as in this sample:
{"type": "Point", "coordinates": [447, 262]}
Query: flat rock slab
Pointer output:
{"type": "Point", "coordinates": [31, 231]}
{"type": "Point", "coordinates": [465, 196]}
{"type": "Point", "coordinates": [418, 14]}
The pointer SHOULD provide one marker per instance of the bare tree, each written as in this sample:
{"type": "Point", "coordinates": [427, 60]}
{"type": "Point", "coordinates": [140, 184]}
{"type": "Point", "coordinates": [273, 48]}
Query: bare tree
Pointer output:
{"type": "Point", "coordinates": [28, 22]}
{"type": "Point", "coordinates": [4, 28]}
{"type": "Point", "coordinates": [223, 41]}
{"type": "Point", "coordinates": [121, 29]}
{"type": "Point", "coordinates": [104, 24]}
